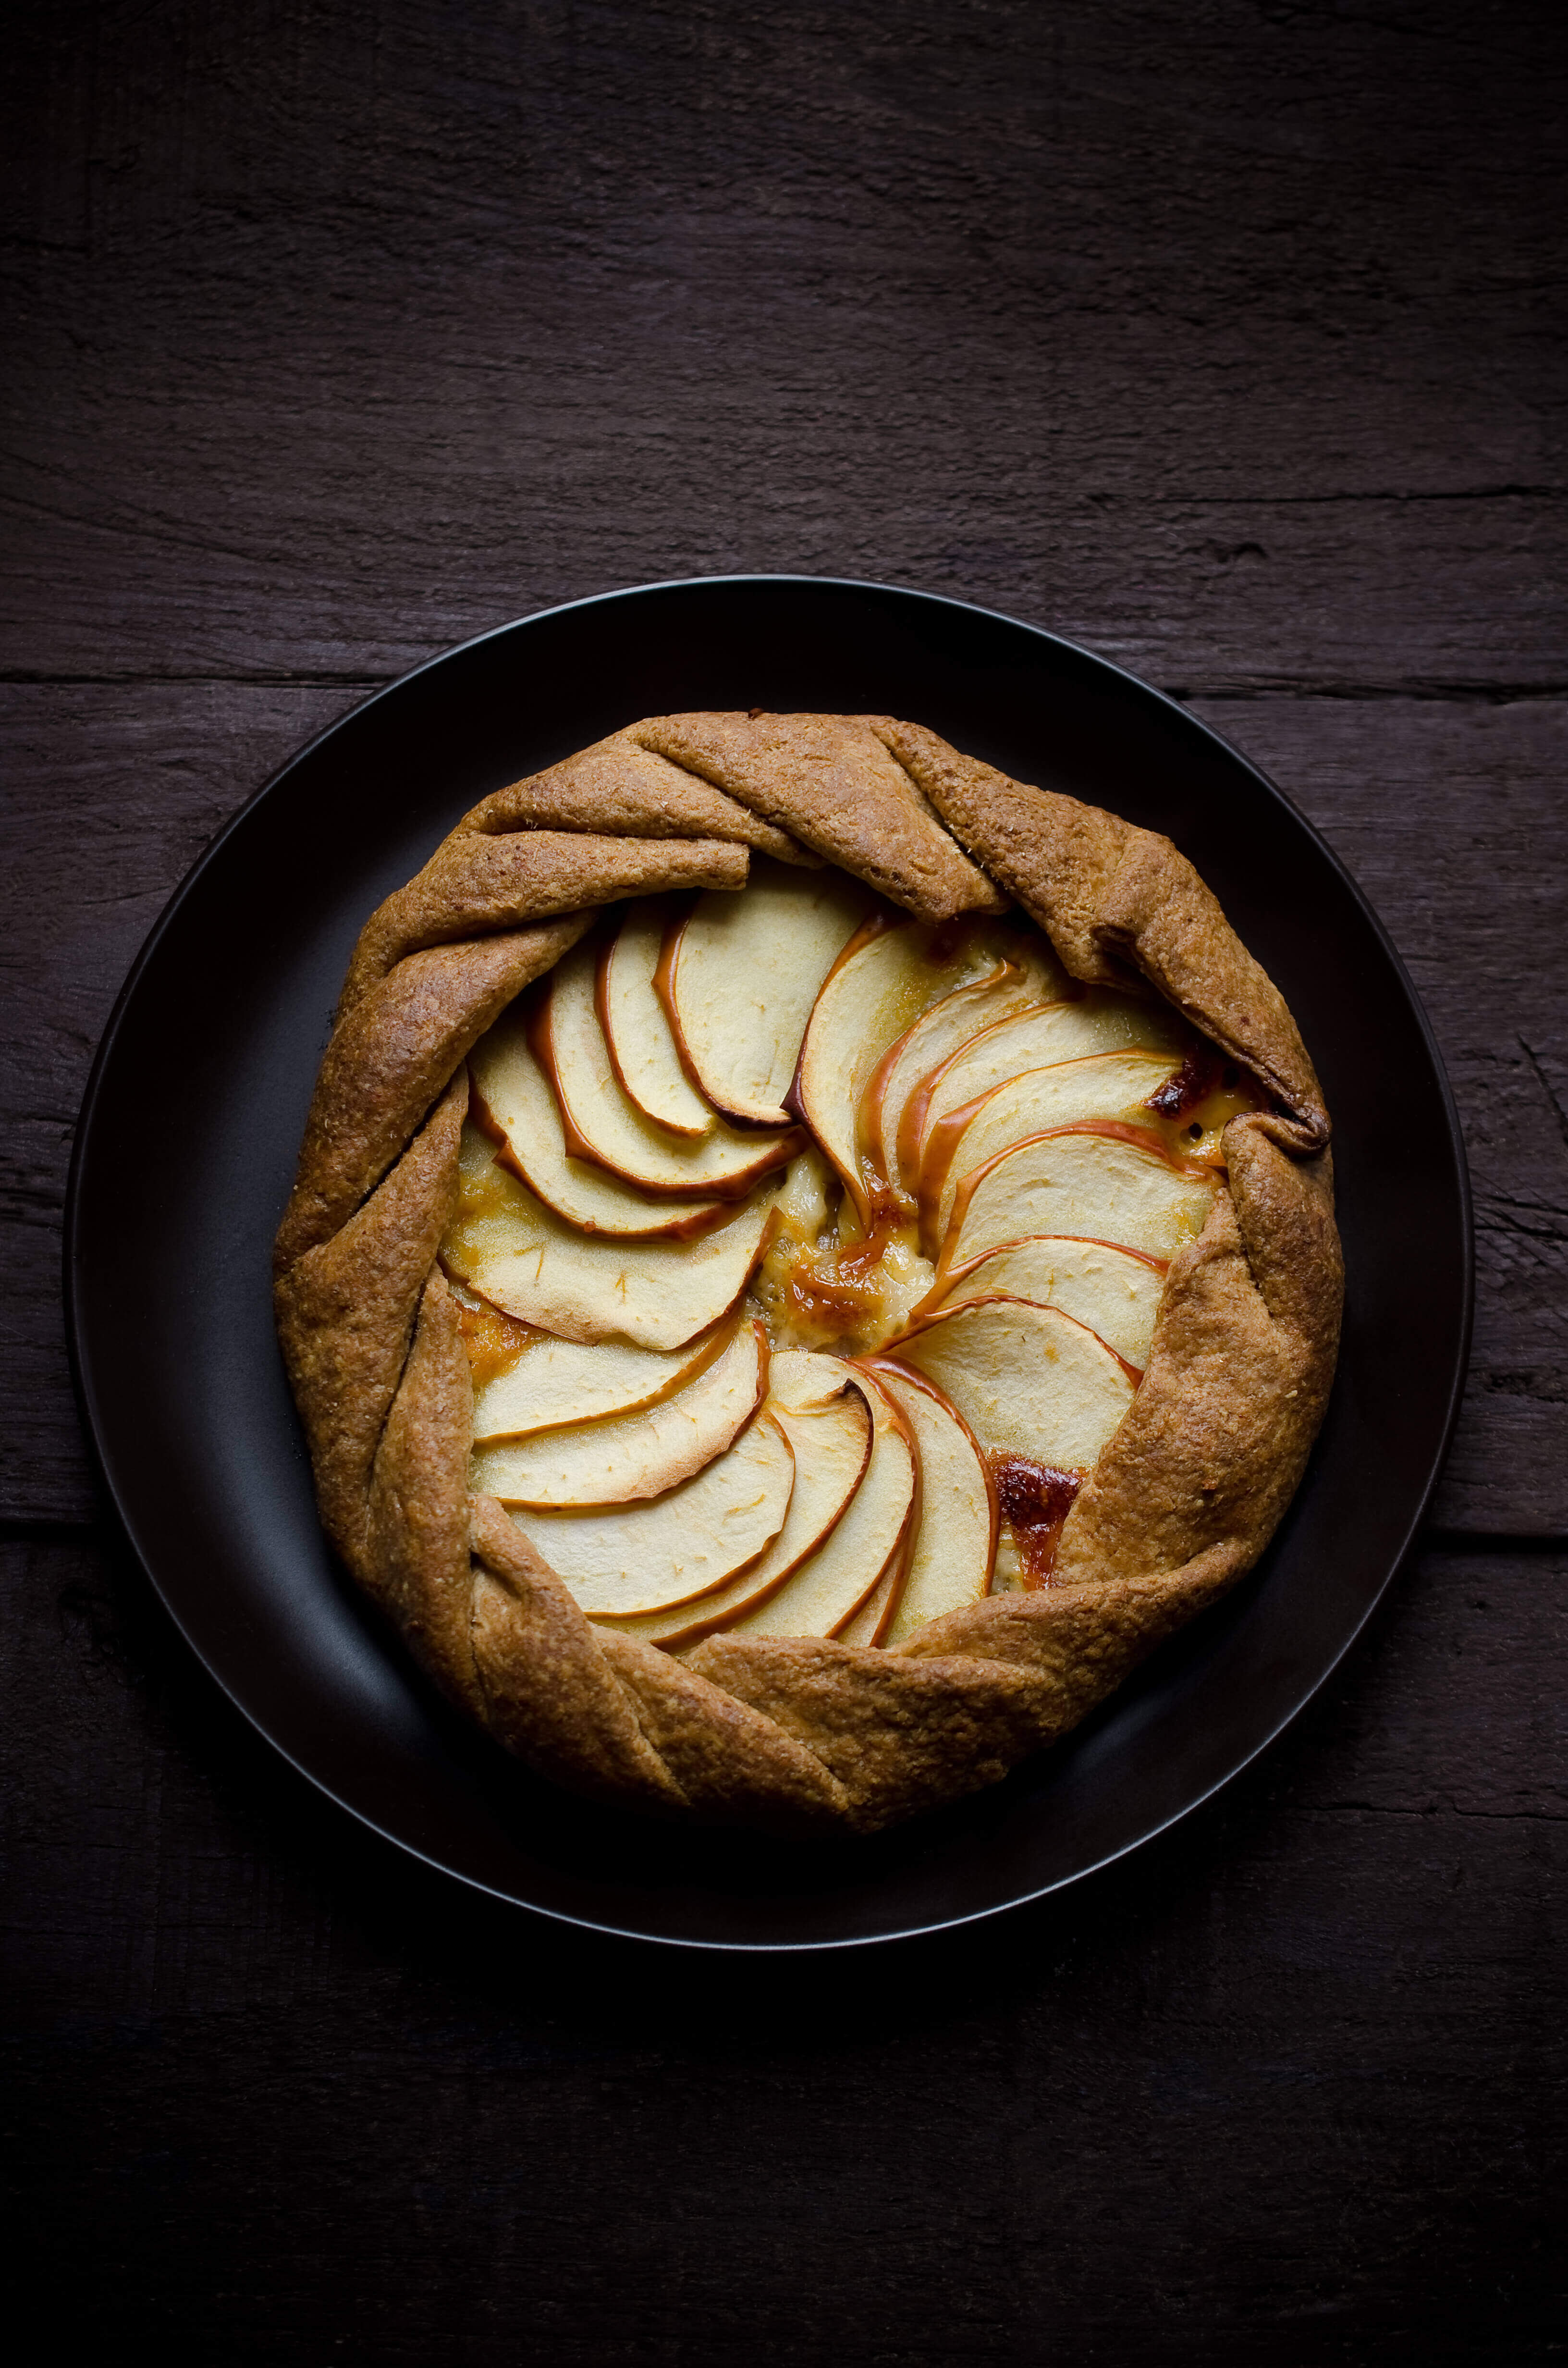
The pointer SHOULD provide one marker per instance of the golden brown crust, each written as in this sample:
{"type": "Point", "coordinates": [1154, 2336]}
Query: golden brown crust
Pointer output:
{"type": "Point", "coordinates": [788, 1734]}
{"type": "Point", "coordinates": [388, 1060]}
{"type": "Point", "coordinates": [345, 1313]}
{"type": "Point", "coordinates": [417, 1545]}
{"type": "Point", "coordinates": [472, 885]}
{"type": "Point", "coordinates": [1110, 896]}
{"type": "Point", "coordinates": [830, 780]}
{"type": "Point", "coordinates": [617, 786]}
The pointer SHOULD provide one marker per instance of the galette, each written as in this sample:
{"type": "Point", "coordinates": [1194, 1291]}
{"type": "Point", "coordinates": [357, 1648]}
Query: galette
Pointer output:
{"type": "Point", "coordinates": [809, 1258]}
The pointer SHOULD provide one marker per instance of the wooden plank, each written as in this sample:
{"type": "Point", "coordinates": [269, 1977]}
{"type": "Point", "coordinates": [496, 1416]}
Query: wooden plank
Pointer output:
{"type": "Point", "coordinates": [336, 346]}
{"type": "Point", "coordinates": [1452, 819]}
{"type": "Point", "coordinates": [110, 797]}
{"type": "Point", "coordinates": [116, 789]}
{"type": "Point", "coordinates": [1288, 2083]}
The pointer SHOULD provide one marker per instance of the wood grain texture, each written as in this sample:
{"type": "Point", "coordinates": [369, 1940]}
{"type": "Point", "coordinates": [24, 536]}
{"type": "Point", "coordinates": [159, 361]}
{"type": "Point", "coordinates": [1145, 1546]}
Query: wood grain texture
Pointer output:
{"type": "Point", "coordinates": [110, 796]}
{"type": "Point", "coordinates": [1224, 336]}
{"type": "Point", "coordinates": [1452, 818]}
{"type": "Point", "coordinates": [281, 2097]}
{"type": "Point", "coordinates": [117, 789]}
{"type": "Point", "coordinates": [1217, 334]}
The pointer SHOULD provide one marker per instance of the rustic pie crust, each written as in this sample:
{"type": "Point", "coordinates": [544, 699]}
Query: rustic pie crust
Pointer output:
{"type": "Point", "coordinates": [779, 1732]}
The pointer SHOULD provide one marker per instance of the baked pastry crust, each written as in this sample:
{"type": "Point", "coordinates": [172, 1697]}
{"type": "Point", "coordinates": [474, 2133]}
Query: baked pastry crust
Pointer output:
{"type": "Point", "coordinates": [785, 1733]}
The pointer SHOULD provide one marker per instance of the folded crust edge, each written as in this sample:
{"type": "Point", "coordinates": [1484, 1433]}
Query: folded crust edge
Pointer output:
{"type": "Point", "coordinates": [794, 1735]}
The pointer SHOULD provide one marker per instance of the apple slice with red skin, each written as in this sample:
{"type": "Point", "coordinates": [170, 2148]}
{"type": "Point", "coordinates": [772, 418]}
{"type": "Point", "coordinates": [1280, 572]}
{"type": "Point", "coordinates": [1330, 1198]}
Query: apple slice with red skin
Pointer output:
{"type": "Point", "coordinates": [1097, 1021]}
{"type": "Point", "coordinates": [620, 1458]}
{"type": "Point", "coordinates": [603, 1125]}
{"type": "Point", "coordinates": [1103, 1086]}
{"type": "Point", "coordinates": [832, 1584]}
{"type": "Point", "coordinates": [739, 977]}
{"type": "Point", "coordinates": [513, 1103]}
{"type": "Point", "coordinates": [1101, 1180]}
{"type": "Point", "coordinates": [637, 1032]}
{"type": "Point", "coordinates": [656, 1294]}
{"type": "Point", "coordinates": [925, 1045]}
{"type": "Point", "coordinates": [1115, 1291]}
{"type": "Point", "coordinates": [1028, 1380]}
{"type": "Point", "coordinates": [831, 1444]}
{"type": "Point", "coordinates": [641, 1557]}
{"type": "Point", "coordinates": [954, 1545]}
{"type": "Point", "coordinates": [887, 975]}
{"type": "Point", "coordinates": [882, 976]}
{"type": "Point", "coordinates": [550, 1384]}
{"type": "Point", "coordinates": [866, 1626]}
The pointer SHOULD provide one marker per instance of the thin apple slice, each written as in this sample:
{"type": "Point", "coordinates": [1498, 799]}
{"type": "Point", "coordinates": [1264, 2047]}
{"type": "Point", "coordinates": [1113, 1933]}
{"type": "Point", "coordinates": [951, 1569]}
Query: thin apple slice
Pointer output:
{"type": "Point", "coordinates": [1115, 1291]}
{"type": "Point", "coordinates": [926, 1044]}
{"type": "Point", "coordinates": [831, 1585]}
{"type": "Point", "coordinates": [622, 1458]}
{"type": "Point", "coordinates": [872, 993]}
{"type": "Point", "coordinates": [1103, 1182]}
{"type": "Point", "coordinates": [1028, 1380]}
{"type": "Point", "coordinates": [1099, 1021]}
{"type": "Point", "coordinates": [656, 1294]}
{"type": "Point", "coordinates": [831, 1442]}
{"type": "Point", "coordinates": [603, 1125]}
{"type": "Point", "coordinates": [1105, 1084]}
{"type": "Point", "coordinates": [637, 1035]}
{"type": "Point", "coordinates": [513, 1093]}
{"type": "Point", "coordinates": [955, 1541]}
{"type": "Point", "coordinates": [867, 1625]}
{"type": "Point", "coordinates": [643, 1557]}
{"type": "Point", "coordinates": [741, 975]}
{"type": "Point", "coordinates": [550, 1384]}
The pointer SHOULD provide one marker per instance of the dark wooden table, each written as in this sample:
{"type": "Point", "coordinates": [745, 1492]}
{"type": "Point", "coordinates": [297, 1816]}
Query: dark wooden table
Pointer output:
{"type": "Point", "coordinates": [1226, 338]}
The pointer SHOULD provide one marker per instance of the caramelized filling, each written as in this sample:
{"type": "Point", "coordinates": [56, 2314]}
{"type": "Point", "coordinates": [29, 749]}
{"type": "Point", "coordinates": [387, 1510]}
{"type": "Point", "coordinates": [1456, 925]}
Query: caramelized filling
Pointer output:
{"type": "Point", "coordinates": [1195, 1107]}
{"type": "Point", "coordinates": [493, 1339]}
{"type": "Point", "coordinates": [1034, 1502]}
{"type": "Point", "coordinates": [851, 1292]}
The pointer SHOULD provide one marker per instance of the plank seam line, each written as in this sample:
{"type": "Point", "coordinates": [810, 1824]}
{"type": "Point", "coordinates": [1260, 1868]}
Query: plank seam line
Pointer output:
{"type": "Point", "coordinates": [17, 1531]}
{"type": "Point", "coordinates": [1433, 1809]}
{"type": "Point", "coordinates": [1445, 1540]}
{"type": "Point", "coordinates": [1434, 690]}
{"type": "Point", "coordinates": [1429, 688]}
{"type": "Point", "coordinates": [32, 678]}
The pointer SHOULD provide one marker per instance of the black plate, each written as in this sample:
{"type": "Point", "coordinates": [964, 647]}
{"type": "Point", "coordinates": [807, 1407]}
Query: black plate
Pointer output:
{"type": "Point", "coordinates": [186, 1149]}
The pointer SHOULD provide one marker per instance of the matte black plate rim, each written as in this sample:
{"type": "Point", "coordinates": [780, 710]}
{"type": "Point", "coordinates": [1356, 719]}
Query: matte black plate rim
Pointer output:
{"type": "Point", "coordinates": [88, 1398]}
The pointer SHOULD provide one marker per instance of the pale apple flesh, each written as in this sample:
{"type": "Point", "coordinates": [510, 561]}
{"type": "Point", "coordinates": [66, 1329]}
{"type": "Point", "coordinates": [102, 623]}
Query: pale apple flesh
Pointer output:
{"type": "Point", "coordinates": [1102, 1086]}
{"type": "Point", "coordinates": [830, 1439]}
{"type": "Point", "coordinates": [643, 1557]}
{"type": "Point", "coordinates": [926, 1044]}
{"type": "Point", "coordinates": [874, 991]}
{"type": "Point", "coordinates": [620, 1458]}
{"type": "Point", "coordinates": [955, 1543]}
{"type": "Point", "coordinates": [1115, 1291]}
{"type": "Point", "coordinates": [656, 1294]}
{"type": "Point", "coordinates": [637, 1035]}
{"type": "Point", "coordinates": [743, 976]}
{"type": "Point", "coordinates": [513, 1095]}
{"type": "Point", "coordinates": [868, 1626]}
{"type": "Point", "coordinates": [1028, 1380]}
{"type": "Point", "coordinates": [1030, 1039]}
{"type": "Point", "coordinates": [603, 1125]}
{"type": "Point", "coordinates": [551, 1382]}
{"type": "Point", "coordinates": [832, 1584]}
{"type": "Point", "coordinates": [1099, 1182]}
{"type": "Point", "coordinates": [681, 1474]}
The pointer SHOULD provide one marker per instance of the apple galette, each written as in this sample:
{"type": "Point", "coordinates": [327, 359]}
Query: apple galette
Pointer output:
{"type": "Point", "coordinates": [809, 1258]}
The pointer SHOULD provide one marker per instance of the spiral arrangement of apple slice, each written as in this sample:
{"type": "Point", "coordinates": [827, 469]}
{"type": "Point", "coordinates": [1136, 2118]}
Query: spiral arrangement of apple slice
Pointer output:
{"type": "Point", "coordinates": [810, 1255]}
